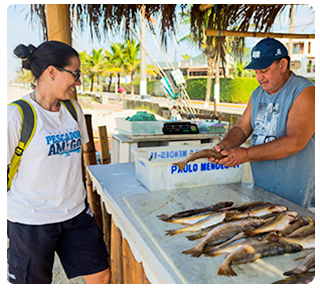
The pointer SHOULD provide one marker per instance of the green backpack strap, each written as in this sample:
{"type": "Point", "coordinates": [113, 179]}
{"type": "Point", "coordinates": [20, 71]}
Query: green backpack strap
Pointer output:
{"type": "Point", "coordinates": [29, 122]}
{"type": "Point", "coordinates": [71, 108]}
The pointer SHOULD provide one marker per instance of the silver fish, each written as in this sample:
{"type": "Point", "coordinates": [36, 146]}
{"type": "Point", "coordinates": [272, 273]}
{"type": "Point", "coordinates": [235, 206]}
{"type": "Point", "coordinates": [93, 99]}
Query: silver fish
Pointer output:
{"type": "Point", "coordinates": [251, 252]}
{"type": "Point", "coordinates": [306, 265]}
{"type": "Point", "coordinates": [278, 223]}
{"type": "Point", "coordinates": [304, 278]}
{"type": "Point", "coordinates": [191, 212]}
{"type": "Point", "coordinates": [209, 221]}
{"type": "Point", "coordinates": [223, 232]}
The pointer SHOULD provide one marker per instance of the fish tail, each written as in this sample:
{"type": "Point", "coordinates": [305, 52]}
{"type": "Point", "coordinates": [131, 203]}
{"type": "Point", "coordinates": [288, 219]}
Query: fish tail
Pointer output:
{"type": "Point", "coordinates": [172, 232]}
{"type": "Point", "coordinates": [181, 164]}
{"type": "Point", "coordinates": [226, 270]}
{"type": "Point", "coordinates": [195, 251]}
{"type": "Point", "coordinates": [164, 217]}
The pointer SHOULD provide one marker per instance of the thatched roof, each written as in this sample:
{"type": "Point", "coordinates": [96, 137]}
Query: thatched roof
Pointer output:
{"type": "Point", "coordinates": [108, 17]}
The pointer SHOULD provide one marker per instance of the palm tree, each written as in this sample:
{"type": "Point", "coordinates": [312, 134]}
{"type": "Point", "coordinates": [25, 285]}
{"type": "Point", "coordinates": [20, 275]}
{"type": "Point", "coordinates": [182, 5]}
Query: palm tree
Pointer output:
{"type": "Point", "coordinates": [131, 64]}
{"type": "Point", "coordinates": [115, 58]}
{"type": "Point", "coordinates": [208, 47]}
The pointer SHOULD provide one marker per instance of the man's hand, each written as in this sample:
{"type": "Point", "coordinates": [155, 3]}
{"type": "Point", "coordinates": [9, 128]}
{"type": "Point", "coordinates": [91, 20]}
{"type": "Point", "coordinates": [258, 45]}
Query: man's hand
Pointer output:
{"type": "Point", "coordinates": [234, 156]}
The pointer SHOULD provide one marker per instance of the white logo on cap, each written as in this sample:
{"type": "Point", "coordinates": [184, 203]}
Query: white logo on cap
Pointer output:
{"type": "Point", "coordinates": [278, 52]}
{"type": "Point", "coordinates": [256, 54]}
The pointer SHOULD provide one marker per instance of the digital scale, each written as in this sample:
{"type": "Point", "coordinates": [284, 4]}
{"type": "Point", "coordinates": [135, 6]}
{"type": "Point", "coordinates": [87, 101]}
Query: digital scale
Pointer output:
{"type": "Point", "coordinates": [171, 128]}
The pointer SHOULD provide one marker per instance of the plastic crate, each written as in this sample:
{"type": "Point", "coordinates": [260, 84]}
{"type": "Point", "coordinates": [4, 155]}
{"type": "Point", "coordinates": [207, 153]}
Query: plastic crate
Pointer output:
{"type": "Point", "coordinates": [139, 127]}
{"type": "Point", "coordinates": [155, 171]}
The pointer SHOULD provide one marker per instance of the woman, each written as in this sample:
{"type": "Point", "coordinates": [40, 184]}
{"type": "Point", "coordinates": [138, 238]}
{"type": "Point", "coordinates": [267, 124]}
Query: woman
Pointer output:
{"type": "Point", "coordinates": [47, 209]}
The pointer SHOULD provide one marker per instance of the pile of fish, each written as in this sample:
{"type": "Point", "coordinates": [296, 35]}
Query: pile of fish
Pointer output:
{"type": "Point", "coordinates": [243, 232]}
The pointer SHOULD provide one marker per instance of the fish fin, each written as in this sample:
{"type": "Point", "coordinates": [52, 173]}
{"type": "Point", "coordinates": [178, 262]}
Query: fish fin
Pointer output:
{"type": "Point", "coordinates": [226, 270]}
{"type": "Point", "coordinates": [249, 233]}
{"type": "Point", "coordinates": [298, 259]}
{"type": "Point", "coordinates": [192, 237]}
{"type": "Point", "coordinates": [213, 253]}
{"type": "Point", "coordinates": [172, 232]}
{"type": "Point", "coordinates": [230, 215]}
{"type": "Point", "coordinates": [295, 271]}
{"type": "Point", "coordinates": [181, 164]}
{"type": "Point", "coordinates": [196, 251]}
{"type": "Point", "coordinates": [164, 217]}
{"type": "Point", "coordinates": [311, 220]}
{"type": "Point", "coordinates": [273, 237]}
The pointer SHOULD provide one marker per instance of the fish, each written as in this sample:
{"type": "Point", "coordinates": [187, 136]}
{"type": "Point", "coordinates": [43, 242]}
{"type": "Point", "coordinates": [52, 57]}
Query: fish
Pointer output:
{"type": "Point", "coordinates": [209, 221]}
{"type": "Point", "coordinates": [251, 252]}
{"type": "Point", "coordinates": [191, 212]}
{"type": "Point", "coordinates": [256, 212]}
{"type": "Point", "coordinates": [307, 242]}
{"type": "Point", "coordinates": [213, 251]}
{"type": "Point", "coordinates": [224, 232]}
{"type": "Point", "coordinates": [246, 206]}
{"type": "Point", "coordinates": [294, 225]}
{"type": "Point", "coordinates": [304, 278]}
{"type": "Point", "coordinates": [205, 153]}
{"type": "Point", "coordinates": [191, 219]}
{"type": "Point", "coordinates": [306, 265]}
{"type": "Point", "coordinates": [278, 223]}
{"type": "Point", "coordinates": [305, 230]}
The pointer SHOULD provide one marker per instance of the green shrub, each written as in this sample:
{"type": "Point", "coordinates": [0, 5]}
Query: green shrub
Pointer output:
{"type": "Point", "coordinates": [236, 90]}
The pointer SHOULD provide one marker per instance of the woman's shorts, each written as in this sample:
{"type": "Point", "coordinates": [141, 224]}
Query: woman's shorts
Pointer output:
{"type": "Point", "coordinates": [78, 243]}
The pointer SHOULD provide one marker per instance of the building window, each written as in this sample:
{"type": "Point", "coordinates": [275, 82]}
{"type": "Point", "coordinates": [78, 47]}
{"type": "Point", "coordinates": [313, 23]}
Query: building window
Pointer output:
{"type": "Point", "coordinates": [298, 48]}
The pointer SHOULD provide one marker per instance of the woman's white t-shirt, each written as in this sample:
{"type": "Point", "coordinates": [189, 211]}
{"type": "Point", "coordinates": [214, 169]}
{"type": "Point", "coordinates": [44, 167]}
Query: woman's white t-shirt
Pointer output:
{"type": "Point", "coordinates": [48, 186]}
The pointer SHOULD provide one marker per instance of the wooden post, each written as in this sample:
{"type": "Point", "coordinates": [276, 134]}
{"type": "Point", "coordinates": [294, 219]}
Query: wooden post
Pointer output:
{"type": "Point", "coordinates": [116, 255]}
{"type": "Point", "coordinates": [58, 22]}
{"type": "Point", "coordinates": [58, 25]}
{"type": "Point", "coordinates": [90, 159]}
{"type": "Point", "coordinates": [104, 145]}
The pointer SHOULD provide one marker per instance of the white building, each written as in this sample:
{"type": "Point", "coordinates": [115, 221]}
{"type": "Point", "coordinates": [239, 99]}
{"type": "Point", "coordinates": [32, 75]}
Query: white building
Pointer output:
{"type": "Point", "coordinates": [304, 51]}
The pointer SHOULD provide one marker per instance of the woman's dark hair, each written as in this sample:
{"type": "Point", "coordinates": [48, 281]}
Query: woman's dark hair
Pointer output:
{"type": "Point", "coordinates": [48, 53]}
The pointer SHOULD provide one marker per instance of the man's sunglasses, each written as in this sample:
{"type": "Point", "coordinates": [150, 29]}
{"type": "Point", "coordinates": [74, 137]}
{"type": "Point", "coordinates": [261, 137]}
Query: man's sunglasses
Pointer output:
{"type": "Point", "coordinates": [76, 74]}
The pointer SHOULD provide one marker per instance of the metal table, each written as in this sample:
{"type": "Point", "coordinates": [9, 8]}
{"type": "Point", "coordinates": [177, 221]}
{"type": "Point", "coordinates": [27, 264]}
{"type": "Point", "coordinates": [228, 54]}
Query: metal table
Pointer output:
{"type": "Point", "coordinates": [134, 210]}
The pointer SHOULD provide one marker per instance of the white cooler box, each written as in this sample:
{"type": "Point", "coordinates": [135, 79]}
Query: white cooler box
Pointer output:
{"type": "Point", "coordinates": [155, 171]}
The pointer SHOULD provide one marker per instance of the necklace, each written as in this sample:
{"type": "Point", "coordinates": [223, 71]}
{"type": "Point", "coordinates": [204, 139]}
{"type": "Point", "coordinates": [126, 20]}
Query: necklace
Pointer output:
{"type": "Point", "coordinates": [34, 96]}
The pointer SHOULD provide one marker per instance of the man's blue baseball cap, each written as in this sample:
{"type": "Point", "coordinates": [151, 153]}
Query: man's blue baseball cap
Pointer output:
{"type": "Point", "coordinates": [265, 52]}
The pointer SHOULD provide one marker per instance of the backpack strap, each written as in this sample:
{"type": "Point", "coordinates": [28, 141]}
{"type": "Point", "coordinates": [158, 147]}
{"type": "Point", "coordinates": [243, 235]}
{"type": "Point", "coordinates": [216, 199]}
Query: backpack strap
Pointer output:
{"type": "Point", "coordinates": [29, 122]}
{"type": "Point", "coordinates": [71, 108]}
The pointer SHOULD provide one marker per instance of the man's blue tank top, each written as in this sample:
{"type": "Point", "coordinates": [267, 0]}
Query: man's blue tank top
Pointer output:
{"type": "Point", "coordinates": [293, 177]}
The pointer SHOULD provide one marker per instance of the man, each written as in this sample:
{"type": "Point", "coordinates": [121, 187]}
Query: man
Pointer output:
{"type": "Point", "coordinates": [280, 116]}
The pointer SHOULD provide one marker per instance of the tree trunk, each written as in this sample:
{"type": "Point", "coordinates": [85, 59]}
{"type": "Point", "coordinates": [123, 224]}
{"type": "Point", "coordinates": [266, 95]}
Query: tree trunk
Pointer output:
{"type": "Point", "coordinates": [132, 86]}
{"type": "Point", "coordinates": [118, 80]}
{"type": "Point", "coordinates": [109, 85]}
{"type": "Point", "coordinates": [217, 81]}
{"type": "Point", "coordinates": [91, 86]}
{"type": "Point", "coordinates": [210, 75]}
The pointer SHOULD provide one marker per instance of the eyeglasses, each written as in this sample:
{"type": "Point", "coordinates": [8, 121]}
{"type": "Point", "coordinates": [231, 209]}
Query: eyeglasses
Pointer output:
{"type": "Point", "coordinates": [76, 74]}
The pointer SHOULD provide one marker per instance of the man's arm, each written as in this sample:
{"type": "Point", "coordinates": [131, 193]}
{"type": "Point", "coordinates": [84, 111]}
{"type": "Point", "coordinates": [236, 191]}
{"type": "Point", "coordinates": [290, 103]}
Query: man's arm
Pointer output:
{"type": "Point", "coordinates": [239, 133]}
{"type": "Point", "coordinates": [300, 128]}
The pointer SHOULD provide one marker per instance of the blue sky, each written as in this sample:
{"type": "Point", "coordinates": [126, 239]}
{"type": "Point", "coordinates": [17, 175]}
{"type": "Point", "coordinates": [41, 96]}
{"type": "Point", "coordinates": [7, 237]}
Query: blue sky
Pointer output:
{"type": "Point", "coordinates": [19, 30]}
